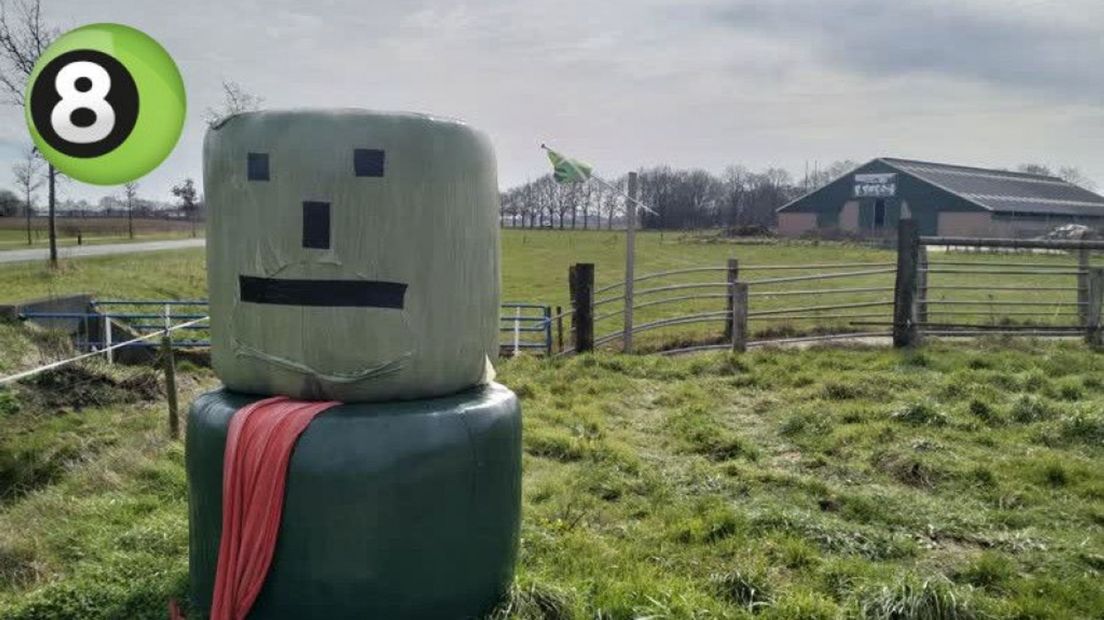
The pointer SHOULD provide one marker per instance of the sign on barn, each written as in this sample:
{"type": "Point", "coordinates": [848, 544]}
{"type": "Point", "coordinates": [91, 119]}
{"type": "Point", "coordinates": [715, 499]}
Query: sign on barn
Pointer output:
{"type": "Point", "coordinates": [876, 185]}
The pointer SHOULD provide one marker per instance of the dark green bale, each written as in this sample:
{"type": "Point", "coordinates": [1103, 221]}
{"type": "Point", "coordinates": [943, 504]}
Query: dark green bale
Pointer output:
{"type": "Point", "coordinates": [393, 510]}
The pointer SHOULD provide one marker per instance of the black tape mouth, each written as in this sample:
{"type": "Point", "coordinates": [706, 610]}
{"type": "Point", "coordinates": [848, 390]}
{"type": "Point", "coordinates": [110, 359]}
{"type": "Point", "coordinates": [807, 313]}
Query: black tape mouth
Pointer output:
{"type": "Point", "coordinates": [327, 293]}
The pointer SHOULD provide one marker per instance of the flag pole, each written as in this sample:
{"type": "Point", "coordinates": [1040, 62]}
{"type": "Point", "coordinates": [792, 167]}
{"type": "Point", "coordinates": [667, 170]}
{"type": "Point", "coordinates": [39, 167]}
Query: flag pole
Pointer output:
{"type": "Point", "coordinates": [632, 202]}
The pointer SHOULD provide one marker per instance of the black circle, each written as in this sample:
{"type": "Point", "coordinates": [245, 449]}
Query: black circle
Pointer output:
{"type": "Point", "coordinates": [122, 97]}
{"type": "Point", "coordinates": [83, 84]}
{"type": "Point", "coordinates": [82, 117]}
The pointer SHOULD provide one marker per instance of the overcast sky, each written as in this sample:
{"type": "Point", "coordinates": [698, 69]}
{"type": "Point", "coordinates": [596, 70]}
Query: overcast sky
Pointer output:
{"type": "Point", "coordinates": [629, 83]}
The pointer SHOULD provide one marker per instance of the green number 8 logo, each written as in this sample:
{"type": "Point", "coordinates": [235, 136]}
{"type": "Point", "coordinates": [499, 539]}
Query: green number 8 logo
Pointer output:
{"type": "Point", "coordinates": [105, 110]}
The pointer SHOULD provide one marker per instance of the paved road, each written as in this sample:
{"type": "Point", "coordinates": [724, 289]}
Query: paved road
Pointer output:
{"type": "Point", "coordinates": [79, 251]}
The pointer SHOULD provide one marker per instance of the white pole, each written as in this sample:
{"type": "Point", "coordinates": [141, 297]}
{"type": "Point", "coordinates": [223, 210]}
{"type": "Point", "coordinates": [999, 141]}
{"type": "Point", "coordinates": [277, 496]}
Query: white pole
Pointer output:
{"type": "Point", "coordinates": [517, 331]}
{"type": "Point", "coordinates": [168, 317]}
{"type": "Point", "coordinates": [107, 339]}
{"type": "Point", "coordinates": [630, 259]}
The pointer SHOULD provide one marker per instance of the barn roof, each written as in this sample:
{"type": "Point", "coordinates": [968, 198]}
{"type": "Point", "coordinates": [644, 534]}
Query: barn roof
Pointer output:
{"type": "Point", "coordinates": [1003, 191]}
{"type": "Point", "coordinates": [999, 191]}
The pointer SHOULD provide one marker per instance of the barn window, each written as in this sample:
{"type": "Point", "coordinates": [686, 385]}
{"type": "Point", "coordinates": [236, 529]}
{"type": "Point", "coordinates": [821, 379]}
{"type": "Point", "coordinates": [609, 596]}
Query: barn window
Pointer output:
{"type": "Point", "coordinates": [879, 214]}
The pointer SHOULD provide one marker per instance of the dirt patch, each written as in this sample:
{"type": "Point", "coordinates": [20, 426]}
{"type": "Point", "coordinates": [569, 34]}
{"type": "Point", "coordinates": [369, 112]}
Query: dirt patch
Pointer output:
{"type": "Point", "coordinates": [76, 387]}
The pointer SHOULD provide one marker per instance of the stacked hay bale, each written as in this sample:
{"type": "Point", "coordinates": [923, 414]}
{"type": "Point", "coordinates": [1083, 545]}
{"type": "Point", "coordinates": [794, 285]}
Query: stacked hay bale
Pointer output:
{"type": "Point", "coordinates": [353, 256]}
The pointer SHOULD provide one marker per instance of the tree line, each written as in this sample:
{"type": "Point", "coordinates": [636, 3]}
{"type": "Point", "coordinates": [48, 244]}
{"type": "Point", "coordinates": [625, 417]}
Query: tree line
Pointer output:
{"type": "Point", "coordinates": [682, 199]}
{"type": "Point", "coordinates": [738, 199]}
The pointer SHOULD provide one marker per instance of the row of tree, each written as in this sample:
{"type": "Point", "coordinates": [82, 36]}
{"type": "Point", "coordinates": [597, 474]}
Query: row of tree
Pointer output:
{"type": "Point", "coordinates": [681, 199]}
{"type": "Point", "coordinates": [738, 198]}
{"type": "Point", "coordinates": [30, 176]}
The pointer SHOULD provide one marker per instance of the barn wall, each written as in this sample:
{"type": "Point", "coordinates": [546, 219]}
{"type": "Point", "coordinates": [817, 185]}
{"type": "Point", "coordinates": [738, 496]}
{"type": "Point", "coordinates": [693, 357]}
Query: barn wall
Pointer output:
{"type": "Point", "coordinates": [966, 224]}
{"type": "Point", "coordinates": [834, 205]}
{"type": "Point", "coordinates": [794, 224]}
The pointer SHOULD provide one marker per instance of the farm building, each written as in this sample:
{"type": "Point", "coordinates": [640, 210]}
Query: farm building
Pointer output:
{"type": "Point", "coordinates": [944, 200]}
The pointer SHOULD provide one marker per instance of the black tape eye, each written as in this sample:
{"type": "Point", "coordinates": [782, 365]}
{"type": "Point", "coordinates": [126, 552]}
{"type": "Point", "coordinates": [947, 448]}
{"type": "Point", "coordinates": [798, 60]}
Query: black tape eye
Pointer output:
{"type": "Point", "coordinates": [257, 166]}
{"type": "Point", "coordinates": [368, 162]}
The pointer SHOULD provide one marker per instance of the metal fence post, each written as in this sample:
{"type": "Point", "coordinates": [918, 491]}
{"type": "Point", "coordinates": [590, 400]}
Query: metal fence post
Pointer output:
{"type": "Point", "coordinates": [517, 330]}
{"type": "Point", "coordinates": [922, 286]}
{"type": "Point", "coordinates": [630, 261]}
{"type": "Point", "coordinates": [548, 330]}
{"type": "Point", "coordinates": [1094, 330]}
{"type": "Point", "coordinates": [738, 301]}
{"type": "Point", "coordinates": [107, 339]}
{"type": "Point", "coordinates": [582, 301]}
{"type": "Point", "coordinates": [733, 276]}
{"type": "Point", "coordinates": [904, 290]}
{"type": "Point", "coordinates": [1083, 301]}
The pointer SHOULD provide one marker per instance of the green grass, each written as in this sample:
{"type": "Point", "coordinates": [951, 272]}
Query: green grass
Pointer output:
{"type": "Point", "coordinates": [535, 265]}
{"type": "Point", "coordinates": [93, 231]}
{"type": "Point", "coordinates": [953, 482]}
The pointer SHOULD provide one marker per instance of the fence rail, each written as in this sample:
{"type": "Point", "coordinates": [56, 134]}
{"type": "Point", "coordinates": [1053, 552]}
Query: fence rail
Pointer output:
{"type": "Point", "coordinates": [526, 327]}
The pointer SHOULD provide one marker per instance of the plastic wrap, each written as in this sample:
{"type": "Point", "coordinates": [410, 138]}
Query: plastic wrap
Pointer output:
{"type": "Point", "coordinates": [352, 255]}
{"type": "Point", "coordinates": [392, 510]}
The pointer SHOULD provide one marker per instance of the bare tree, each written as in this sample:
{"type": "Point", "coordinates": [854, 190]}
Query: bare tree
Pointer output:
{"type": "Point", "coordinates": [1072, 174]}
{"type": "Point", "coordinates": [24, 35]}
{"type": "Point", "coordinates": [235, 101]}
{"type": "Point", "coordinates": [130, 193]}
{"type": "Point", "coordinates": [1038, 169]}
{"type": "Point", "coordinates": [189, 202]}
{"type": "Point", "coordinates": [28, 177]}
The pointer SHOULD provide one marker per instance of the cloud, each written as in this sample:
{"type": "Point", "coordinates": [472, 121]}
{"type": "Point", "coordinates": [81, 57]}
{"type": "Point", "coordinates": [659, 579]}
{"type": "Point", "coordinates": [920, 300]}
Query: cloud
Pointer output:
{"type": "Point", "coordinates": [628, 83]}
{"type": "Point", "coordinates": [1052, 48]}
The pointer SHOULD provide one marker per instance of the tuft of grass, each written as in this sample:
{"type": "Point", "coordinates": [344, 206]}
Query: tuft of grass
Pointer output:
{"type": "Point", "coordinates": [920, 413]}
{"type": "Point", "coordinates": [913, 598]}
{"type": "Point", "coordinates": [985, 412]}
{"type": "Point", "coordinates": [1085, 427]}
{"type": "Point", "coordinates": [1028, 409]}
{"type": "Point", "coordinates": [533, 603]}
{"type": "Point", "coordinates": [990, 570]}
{"type": "Point", "coordinates": [749, 588]}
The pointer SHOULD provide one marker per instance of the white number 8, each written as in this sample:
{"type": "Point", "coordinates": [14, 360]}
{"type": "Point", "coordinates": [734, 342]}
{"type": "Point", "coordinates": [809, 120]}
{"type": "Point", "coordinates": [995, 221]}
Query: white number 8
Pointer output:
{"type": "Point", "coordinates": [92, 99]}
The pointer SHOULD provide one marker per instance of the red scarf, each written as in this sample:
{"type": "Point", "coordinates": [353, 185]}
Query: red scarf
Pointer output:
{"type": "Point", "coordinates": [258, 448]}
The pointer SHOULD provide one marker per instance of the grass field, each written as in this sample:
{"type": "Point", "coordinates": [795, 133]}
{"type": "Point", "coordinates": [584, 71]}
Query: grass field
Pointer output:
{"type": "Point", "coordinates": [535, 265]}
{"type": "Point", "coordinates": [955, 482]}
{"type": "Point", "coordinates": [13, 231]}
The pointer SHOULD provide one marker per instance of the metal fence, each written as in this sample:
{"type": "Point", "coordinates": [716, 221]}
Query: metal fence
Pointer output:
{"type": "Point", "coordinates": [525, 328]}
{"type": "Point", "coordinates": [921, 293]}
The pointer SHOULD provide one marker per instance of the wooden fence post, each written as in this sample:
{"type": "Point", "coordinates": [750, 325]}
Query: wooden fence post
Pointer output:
{"type": "Point", "coordinates": [904, 290]}
{"type": "Point", "coordinates": [170, 374]}
{"type": "Point", "coordinates": [1094, 324]}
{"type": "Point", "coordinates": [738, 300]}
{"type": "Point", "coordinates": [582, 301]}
{"type": "Point", "coordinates": [559, 329]}
{"type": "Point", "coordinates": [1083, 265]}
{"type": "Point", "coordinates": [733, 276]}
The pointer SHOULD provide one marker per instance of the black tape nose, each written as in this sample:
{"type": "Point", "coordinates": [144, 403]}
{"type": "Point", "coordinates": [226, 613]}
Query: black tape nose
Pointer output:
{"type": "Point", "coordinates": [316, 225]}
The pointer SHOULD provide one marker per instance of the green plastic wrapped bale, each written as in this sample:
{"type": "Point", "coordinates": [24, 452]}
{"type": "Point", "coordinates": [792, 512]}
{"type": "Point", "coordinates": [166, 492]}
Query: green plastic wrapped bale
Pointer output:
{"type": "Point", "coordinates": [392, 510]}
{"type": "Point", "coordinates": [351, 255]}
